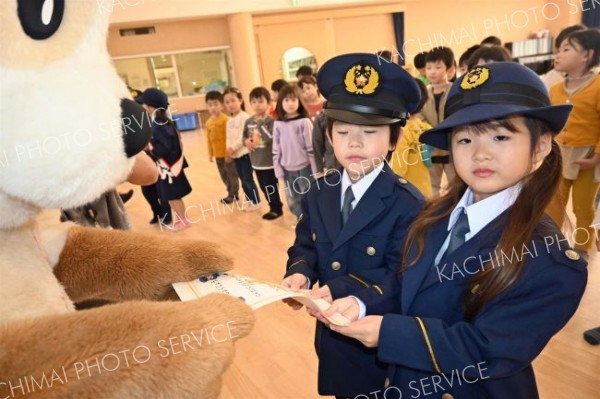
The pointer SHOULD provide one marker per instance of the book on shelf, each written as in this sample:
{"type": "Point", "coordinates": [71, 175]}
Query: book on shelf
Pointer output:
{"type": "Point", "coordinates": [254, 292]}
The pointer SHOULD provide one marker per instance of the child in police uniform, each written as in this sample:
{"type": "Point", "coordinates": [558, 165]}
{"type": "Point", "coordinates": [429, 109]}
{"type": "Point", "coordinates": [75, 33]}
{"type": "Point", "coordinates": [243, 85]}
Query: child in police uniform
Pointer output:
{"type": "Point", "coordinates": [354, 220]}
{"type": "Point", "coordinates": [462, 302]}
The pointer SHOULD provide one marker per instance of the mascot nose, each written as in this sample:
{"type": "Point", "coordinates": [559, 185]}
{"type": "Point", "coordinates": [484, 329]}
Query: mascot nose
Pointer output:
{"type": "Point", "coordinates": [136, 127]}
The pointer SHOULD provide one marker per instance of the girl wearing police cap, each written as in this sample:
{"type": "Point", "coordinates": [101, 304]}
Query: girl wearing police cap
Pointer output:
{"type": "Point", "coordinates": [354, 219]}
{"type": "Point", "coordinates": [486, 278]}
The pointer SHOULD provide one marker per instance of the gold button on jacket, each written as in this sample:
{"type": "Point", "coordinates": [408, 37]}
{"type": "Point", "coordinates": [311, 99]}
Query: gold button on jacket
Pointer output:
{"type": "Point", "coordinates": [336, 265]}
{"type": "Point", "coordinates": [371, 251]}
{"type": "Point", "coordinates": [571, 254]}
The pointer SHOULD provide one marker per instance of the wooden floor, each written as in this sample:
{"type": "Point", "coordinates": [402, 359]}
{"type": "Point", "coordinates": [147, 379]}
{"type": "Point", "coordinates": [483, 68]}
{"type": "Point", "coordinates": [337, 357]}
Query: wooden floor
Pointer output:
{"type": "Point", "coordinates": [277, 360]}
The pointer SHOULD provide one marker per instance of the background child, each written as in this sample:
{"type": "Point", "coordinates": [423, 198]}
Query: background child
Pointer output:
{"type": "Point", "coordinates": [234, 103]}
{"type": "Point", "coordinates": [463, 61]}
{"type": "Point", "coordinates": [438, 65]}
{"type": "Point", "coordinates": [275, 87]}
{"type": "Point", "coordinates": [553, 76]}
{"type": "Point", "coordinates": [258, 138]}
{"type": "Point", "coordinates": [580, 140]}
{"type": "Point", "coordinates": [409, 156]}
{"type": "Point", "coordinates": [166, 146]}
{"type": "Point", "coordinates": [216, 135]}
{"type": "Point", "coordinates": [419, 62]}
{"type": "Point", "coordinates": [487, 54]}
{"type": "Point", "coordinates": [324, 156]}
{"type": "Point", "coordinates": [293, 156]}
{"type": "Point", "coordinates": [310, 94]}
{"type": "Point", "coordinates": [454, 307]}
{"type": "Point", "coordinates": [354, 220]}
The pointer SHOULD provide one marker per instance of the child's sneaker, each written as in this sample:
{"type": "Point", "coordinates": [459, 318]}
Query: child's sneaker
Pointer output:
{"type": "Point", "coordinates": [272, 215]}
{"type": "Point", "coordinates": [228, 199]}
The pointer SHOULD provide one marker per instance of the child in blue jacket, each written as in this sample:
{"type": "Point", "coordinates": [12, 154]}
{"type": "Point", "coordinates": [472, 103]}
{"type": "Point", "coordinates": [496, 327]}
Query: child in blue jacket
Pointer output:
{"type": "Point", "coordinates": [486, 278]}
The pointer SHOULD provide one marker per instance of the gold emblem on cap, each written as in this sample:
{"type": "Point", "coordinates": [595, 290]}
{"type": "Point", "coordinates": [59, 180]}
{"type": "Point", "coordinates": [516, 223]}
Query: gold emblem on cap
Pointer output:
{"type": "Point", "coordinates": [361, 79]}
{"type": "Point", "coordinates": [474, 78]}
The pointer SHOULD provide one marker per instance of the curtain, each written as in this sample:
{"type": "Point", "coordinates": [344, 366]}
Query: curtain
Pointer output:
{"type": "Point", "coordinates": [398, 18]}
{"type": "Point", "coordinates": [591, 17]}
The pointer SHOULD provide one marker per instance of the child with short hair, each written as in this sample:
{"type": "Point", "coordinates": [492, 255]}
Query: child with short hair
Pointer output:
{"type": "Point", "coordinates": [258, 138]}
{"type": "Point", "coordinates": [234, 102]}
{"type": "Point", "coordinates": [439, 63]}
{"type": "Point", "coordinates": [216, 127]}
{"type": "Point", "coordinates": [275, 87]}
{"type": "Point", "coordinates": [487, 54]}
{"type": "Point", "coordinates": [293, 155]}
{"type": "Point", "coordinates": [354, 220]}
{"type": "Point", "coordinates": [456, 305]}
{"type": "Point", "coordinates": [310, 93]}
{"type": "Point", "coordinates": [579, 142]}
{"type": "Point", "coordinates": [419, 63]}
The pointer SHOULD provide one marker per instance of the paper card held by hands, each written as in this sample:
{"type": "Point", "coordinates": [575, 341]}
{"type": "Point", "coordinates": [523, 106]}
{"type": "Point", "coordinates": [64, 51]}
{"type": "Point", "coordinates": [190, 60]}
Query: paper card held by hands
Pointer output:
{"type": "Point", "coordinates": [254, 292]}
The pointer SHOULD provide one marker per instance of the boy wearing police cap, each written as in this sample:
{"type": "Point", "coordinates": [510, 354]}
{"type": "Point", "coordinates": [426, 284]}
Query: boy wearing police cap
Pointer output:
{"type": "Point", "coordinates": [354, 220]}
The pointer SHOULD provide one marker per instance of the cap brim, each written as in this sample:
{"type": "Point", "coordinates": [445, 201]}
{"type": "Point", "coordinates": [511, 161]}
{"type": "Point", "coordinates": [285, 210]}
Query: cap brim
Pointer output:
{"type": "Point", "coordinates": [359, 119]}
{"type": "Point", "coordinates": [556, 116]}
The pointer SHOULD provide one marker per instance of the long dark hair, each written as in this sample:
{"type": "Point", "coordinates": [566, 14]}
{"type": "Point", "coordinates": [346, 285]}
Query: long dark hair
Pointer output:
{"type": "Point", "coordinates": [521, 219]}
{"type": "Point", "coordinates": [161, 117]}
{"type": "Point", "coordinates": [292, 91]}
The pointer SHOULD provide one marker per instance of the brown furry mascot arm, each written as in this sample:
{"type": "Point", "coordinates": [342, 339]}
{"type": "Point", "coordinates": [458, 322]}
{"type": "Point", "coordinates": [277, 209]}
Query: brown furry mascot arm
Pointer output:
{"type": "Point", "coordinates": [127, 350]}
{"type": "Point", "coordinates": [118, 265]}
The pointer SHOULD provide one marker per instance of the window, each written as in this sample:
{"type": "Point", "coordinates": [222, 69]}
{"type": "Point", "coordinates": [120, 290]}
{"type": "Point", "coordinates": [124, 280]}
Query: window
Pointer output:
{"type": "Point", "coordinates": [180, 74]}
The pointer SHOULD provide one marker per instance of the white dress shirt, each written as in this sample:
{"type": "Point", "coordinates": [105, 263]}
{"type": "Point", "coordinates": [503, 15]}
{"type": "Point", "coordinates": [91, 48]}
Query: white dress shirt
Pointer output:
{"type": "Point", "coordinates": [479, 214]}
{"type": "Point", "coordinates": [360, 187]}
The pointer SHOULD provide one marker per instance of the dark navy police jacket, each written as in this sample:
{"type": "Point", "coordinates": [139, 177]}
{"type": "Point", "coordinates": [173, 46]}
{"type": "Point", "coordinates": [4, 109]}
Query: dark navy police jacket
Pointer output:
{"type": "Point", "coordinates": [434, 352]}
{"type": "Point", "coordinates": [348, 259]}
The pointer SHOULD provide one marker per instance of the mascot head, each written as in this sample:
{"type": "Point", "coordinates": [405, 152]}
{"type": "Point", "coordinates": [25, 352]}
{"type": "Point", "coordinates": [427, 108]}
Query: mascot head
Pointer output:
{"type": "Point", "coordinates": [68, 128]}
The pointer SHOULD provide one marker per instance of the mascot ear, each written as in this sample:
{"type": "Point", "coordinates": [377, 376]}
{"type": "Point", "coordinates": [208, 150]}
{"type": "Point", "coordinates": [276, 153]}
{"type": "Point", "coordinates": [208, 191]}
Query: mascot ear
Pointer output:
{"type": "Point", "coordinates": [136, 127]}
{"type": "Point", "coordinates": [32, 14]}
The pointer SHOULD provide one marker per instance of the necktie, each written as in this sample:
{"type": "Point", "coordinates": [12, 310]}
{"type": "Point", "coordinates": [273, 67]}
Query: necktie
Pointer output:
{"type": "Point", "coordinates": [458, 232]}
{"type": "Point", "coordinates": [347, 205]}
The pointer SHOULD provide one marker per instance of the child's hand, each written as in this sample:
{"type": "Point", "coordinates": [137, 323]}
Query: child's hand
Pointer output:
{"type": "Point", "coordinates": [347, 307]}
{"type": "Point", "coordinates": [323, 292]}
{"type": "Point", "coordinates": [589, 163]}
{"type": "Point", "coordinates": [228, 159]}
{"type": "Point", "coordinates": [365, 330]}
{"type": "Point", "coordinates": [295, 282]}
{"type": "Point", "coordinates": [250, 144]}
{"type": "Point", "coordinates": [229, 152]}
{"type": "Point", "coordinates": [211, 158]}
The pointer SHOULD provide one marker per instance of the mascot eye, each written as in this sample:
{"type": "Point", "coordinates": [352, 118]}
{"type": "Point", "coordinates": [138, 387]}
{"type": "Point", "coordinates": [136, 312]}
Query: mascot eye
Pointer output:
{"type": "Point", "coordinates": [40, 19]}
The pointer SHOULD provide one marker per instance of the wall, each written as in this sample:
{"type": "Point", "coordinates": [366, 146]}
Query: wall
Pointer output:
{"type": "Point", "coordinates": [169, 37]}
{"type": "Point", "coordinates": [458, 24]}
{"type": "Point", "coordinates": [324, 33]}
{"type": "Point", "coordinates": [461, 23]}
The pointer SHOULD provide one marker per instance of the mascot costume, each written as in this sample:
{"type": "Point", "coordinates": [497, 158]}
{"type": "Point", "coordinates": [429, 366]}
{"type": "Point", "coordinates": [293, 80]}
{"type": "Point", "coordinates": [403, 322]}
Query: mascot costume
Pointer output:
{"type": "Point", "coordinates": [68, 133]}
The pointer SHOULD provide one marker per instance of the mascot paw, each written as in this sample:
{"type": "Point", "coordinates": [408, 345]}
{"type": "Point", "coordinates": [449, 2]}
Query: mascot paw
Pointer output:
{"type": "Point", "coordinates": [221, 309]}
